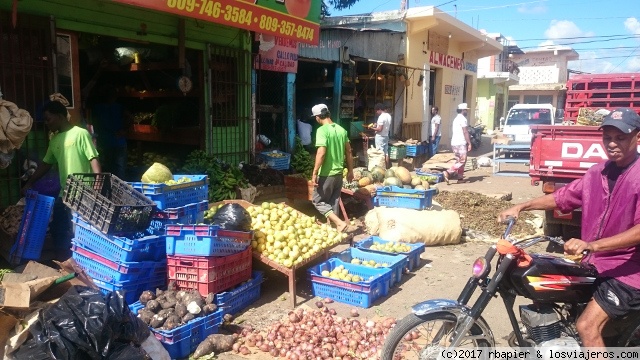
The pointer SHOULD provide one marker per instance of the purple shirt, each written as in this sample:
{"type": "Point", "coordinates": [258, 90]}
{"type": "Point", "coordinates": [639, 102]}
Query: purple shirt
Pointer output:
{"type": "Point", "coordinates": [606, 214]}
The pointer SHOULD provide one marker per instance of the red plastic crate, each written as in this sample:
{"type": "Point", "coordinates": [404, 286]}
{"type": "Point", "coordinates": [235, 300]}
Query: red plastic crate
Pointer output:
{"type": "Point", "coordinates": [209, 273]}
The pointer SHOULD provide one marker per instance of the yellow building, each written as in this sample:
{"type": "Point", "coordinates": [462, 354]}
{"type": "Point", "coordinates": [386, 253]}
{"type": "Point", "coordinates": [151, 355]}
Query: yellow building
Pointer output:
{"type": "Point", "coordinates": [447, 50]}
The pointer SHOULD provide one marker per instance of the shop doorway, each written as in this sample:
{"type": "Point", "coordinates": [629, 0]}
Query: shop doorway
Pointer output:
{"type": "Point", "coordinates": [271, 112]}
{"type": "Point", "coordinates": [26, 79]}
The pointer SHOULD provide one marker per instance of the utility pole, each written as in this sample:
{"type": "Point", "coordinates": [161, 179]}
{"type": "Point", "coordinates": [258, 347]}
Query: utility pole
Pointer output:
{"type": "Point", "coordinates": [403, 5]}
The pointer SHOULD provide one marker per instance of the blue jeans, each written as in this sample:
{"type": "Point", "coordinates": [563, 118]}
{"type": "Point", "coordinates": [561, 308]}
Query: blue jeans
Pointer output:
{"type": "Point", "coordinates": [434, 145]}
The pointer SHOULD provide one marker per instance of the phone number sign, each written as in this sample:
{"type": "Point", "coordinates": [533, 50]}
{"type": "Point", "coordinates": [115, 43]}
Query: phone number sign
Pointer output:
{"type": "Point", "coordinates": [294, 19]}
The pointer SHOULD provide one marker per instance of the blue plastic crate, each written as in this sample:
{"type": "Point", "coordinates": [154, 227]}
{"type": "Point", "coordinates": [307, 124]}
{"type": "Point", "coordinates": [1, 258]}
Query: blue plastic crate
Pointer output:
{"type": "Point", "coordinates": [413, 255]}
{"type": "Point", "coordinates": [416, 150]}
{"type": "Point", "coordinates": [276, 163]}
{"type": "Point", "coordinates": [440, 176]}
{"type": "Point", "coordinates": [132, 289]}
{"type": "Point", "coordinates": [98, 267]}
{"type": "Point", "coordinates": [33, 228]}
{"type": "Point", "coordinates": [117, 248]}
{"type": "Point", "coordinates": [205, 240]}
{"type": "Point", "coordinates": [397, 263]}
{"type": "Point", "coordinates": [397, 197]}
{"type": "Point", "coordinates": [175, 196]}
{"type": "Point", "coordinates": [188, 215]}
{"type": "Point", "coordinates": [238, 298]}
{"type": "Point", "coordinates": [183, 340]}
{"type": "Point", "coordinates": [363, 293]}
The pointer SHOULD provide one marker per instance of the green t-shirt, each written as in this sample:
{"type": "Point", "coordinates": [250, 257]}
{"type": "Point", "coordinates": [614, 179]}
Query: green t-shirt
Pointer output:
{"type": "Point", "coordinates": [73, 151]}
{"type": "Point", "coordinates": [334, 138]}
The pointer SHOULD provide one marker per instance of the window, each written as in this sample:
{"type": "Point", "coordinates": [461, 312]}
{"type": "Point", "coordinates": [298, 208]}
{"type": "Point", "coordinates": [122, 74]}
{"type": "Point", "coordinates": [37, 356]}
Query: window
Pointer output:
{"type": "Point", "coordinates": [64, 67]}
{"type": "Point", "coordinates": [529, 117]}
{"type": "Point", "coordinates": [513, 100]}
{"type": "Point", "coordinates": [538, 99]}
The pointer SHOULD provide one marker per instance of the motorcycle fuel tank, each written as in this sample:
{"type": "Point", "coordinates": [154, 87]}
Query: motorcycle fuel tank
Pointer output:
{"type": "Point", "coordinates": [554, 279]}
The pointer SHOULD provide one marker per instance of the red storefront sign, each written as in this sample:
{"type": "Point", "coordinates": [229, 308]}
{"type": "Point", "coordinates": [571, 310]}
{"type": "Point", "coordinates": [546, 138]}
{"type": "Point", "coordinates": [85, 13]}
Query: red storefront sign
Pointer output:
{"type": "Point", "coordinates": [277, 54]}
{"type": "Point", "coordinates": [446, 60]}
{"type": "Point", "coordinates": [283, 18]}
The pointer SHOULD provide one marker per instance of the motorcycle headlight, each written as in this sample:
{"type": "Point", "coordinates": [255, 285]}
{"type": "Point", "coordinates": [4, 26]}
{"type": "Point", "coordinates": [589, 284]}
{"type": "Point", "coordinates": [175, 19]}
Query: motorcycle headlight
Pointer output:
{"type": "Point", "coordinates": [480, 268]}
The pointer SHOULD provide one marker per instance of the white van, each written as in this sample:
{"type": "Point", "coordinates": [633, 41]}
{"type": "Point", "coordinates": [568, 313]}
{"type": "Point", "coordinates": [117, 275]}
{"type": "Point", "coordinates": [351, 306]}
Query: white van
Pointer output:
{"type": "Point", "coordinates": [521, 116]}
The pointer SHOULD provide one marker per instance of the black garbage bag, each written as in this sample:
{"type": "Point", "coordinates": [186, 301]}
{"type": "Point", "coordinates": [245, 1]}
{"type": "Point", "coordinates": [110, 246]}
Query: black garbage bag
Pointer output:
{"type": "Point", "coordinates": [84, 324]}
{"type": "Point", "coordinates": [232, 217]}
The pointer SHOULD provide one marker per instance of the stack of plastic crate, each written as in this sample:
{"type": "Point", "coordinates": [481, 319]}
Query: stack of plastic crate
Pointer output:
{"type": "Point", "coordinates": [112, 242]}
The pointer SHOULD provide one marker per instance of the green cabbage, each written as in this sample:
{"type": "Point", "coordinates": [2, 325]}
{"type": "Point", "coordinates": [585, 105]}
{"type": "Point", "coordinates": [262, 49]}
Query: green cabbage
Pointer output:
{"type": "Point", "coordinates": [157, 174]}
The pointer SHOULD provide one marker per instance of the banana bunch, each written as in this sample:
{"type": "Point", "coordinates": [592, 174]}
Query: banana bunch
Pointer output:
{"type": "Point", "coordinates": [224, 184]}
{"type": "Point", "coordinates": [301, 161]}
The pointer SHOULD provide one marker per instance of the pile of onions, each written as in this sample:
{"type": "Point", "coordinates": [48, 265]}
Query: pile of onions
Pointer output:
{"type": "Point", "coordinates": [317, 335]}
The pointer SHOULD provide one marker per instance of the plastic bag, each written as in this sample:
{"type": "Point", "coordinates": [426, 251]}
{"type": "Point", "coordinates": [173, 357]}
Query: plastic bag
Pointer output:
{"type": "Point", "coordinates": [6, 158]}
{"type": "Point", "coordinates": [232, 217]}
{"type": "Point", "coordinates": [84, 324]}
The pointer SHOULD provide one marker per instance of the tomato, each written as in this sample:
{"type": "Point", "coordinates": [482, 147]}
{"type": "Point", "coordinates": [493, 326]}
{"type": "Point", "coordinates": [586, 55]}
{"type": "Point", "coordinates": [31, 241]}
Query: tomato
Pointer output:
{"type": "Point", "coordinates": [298, 8]}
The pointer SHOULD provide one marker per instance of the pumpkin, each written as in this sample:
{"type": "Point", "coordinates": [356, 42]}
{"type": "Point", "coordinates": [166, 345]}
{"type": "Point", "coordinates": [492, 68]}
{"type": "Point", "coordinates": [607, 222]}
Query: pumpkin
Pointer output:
{"type": "Point", "coordinates": [392, 181]}
{"type": "Point", "coordinates": [416, 181]}
{"type": "Point", "coordinates": [404, 175]}
{"type": "Point", "coordinates": [377, 174]}
{"type": "Point", "coordinates": [364, 181]}
{"type": "Point", "coordinates": [389, 173]}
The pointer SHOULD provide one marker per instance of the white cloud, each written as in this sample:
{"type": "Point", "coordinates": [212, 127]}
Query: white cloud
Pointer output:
{"type": "Point", "coordinates": [512, 41]}
{"type": "Point", "coordinates": [633, 65]}
{"type": "Point", "coordinates": [537, 8]}
{"type": "Point", "coordinates": [632, 25]}
{"type": "Point", "coordinates": [559, 30]}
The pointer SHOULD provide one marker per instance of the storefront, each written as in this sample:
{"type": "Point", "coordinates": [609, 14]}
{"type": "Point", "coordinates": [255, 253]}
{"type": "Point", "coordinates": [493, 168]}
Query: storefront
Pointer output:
{"type": "Point", "coordinates": [351, 70]}
{"type": "Point", "coordinates": [448, 51]}
{"type": "Point", "coordinates": [184, 75]}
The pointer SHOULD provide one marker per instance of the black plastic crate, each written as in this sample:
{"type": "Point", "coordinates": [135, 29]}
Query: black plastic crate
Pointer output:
{"type": "Point", "coordinates": [108, 203]}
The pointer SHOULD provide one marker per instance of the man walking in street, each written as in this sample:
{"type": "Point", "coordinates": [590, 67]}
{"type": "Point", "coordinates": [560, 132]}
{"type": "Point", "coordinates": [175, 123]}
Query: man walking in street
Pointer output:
{"type": "Point", "coordinates": [382, 131]}
{"type": "Point", "coordinates": [333, 147]}
{"type": "Point", "coordinates": [436, 133]}
{"type": "Point", "coordinates": [460, 144]}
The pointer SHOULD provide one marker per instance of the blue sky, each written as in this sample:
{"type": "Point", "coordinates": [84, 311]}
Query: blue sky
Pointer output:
{"type": "Point", "coordinates": [606, 33]}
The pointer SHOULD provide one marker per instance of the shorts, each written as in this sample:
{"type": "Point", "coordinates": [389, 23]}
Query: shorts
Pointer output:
{"type": "Point", "coordinates": [382, 143]}
{"type": "Point", "coordinates": [615, 297]}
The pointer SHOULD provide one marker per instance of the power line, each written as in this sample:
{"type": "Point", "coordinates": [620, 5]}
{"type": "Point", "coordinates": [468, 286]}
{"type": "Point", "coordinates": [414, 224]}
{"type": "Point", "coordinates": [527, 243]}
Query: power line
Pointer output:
{"type": "Point", "coordinates": [577, 43]}
{"type": "Point", "coordinates": [549, 19]}
{"type": "Point", "coordinates": [614, 37]}
{"type": "Point", "coordinates": [625, 59]}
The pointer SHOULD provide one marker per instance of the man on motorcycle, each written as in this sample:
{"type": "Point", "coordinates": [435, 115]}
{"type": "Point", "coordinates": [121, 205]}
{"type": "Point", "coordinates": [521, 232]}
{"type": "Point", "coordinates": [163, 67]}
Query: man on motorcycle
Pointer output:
{"type": "Point", "coordinates": [609, 194]}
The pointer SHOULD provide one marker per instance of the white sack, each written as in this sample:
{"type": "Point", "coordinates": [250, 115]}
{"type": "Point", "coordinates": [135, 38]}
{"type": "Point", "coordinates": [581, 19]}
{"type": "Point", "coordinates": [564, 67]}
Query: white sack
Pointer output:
{"type": "Point", "coordinates": [376, 158]}
{"type": "Point", "coordinates": [431, 227]}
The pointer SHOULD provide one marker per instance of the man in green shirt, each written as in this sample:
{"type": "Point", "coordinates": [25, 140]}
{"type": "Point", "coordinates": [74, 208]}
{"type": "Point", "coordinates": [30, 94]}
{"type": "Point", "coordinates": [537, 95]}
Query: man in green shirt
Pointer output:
{"type": "Point", "coordinates": [71, 148]}
{"type": "Point", "coordinates": [333, 146]}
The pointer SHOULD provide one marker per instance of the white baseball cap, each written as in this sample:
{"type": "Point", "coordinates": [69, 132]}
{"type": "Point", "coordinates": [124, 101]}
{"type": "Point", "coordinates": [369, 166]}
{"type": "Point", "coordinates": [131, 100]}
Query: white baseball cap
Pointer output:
{"type": "Point", "coordinates": [317, 109]}
{"type": "Point", "coordinates": [463, 106]}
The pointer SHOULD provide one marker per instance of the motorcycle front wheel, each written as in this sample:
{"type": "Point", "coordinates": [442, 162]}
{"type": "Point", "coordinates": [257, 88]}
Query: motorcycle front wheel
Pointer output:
{"type": "Point", "coordinates": [434, 332]}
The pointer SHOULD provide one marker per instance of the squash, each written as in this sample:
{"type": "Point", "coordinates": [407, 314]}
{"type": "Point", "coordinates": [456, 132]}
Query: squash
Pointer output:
{"type": "Point", "coordinates": [416, 181]}
{"type": "Point", "coordinates": [419, 187]}
{"type": "Point", "coordinates": [404, 175]}
{"type": "Point", "coordinates": [364, 181]}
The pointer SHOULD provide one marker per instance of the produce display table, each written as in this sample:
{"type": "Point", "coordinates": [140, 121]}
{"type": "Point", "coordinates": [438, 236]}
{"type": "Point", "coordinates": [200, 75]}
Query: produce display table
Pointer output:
{"type": "Point", "coordinates": [289, 272]}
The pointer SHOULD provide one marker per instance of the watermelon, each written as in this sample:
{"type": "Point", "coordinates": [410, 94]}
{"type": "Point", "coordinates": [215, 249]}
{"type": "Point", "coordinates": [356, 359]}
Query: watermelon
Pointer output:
{"type": "Point", "coordinates": [377, 174]}
{"type": "Point", "coordinates": [392, 181]}
{"type": "Point", "coordinates": [389, 173]}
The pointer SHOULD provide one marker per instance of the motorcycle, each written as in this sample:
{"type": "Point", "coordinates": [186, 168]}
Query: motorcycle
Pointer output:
{"type": "Point", "coordinates": [475, 135]}
{"type": "Point", "coordinates": [559, 289]}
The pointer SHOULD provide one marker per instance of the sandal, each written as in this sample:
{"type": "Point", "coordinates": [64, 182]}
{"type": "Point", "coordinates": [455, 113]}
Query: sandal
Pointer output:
{"type": "Point", "coordinates": [446, 176]}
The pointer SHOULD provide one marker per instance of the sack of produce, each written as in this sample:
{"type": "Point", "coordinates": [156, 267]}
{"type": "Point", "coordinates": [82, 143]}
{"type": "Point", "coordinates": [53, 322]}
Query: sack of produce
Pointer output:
{"type": "Point", "coordinates": [376, 158]}
{"type": "Point", "coordinates": [431, 227]}
{"type": "Point", "coordinates": [232, 217]}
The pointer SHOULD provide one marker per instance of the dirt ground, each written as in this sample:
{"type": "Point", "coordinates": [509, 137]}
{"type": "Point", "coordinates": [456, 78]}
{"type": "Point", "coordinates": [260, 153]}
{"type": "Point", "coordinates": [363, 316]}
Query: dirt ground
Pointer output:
{"type": "Point", "coordinates": [442, 273]}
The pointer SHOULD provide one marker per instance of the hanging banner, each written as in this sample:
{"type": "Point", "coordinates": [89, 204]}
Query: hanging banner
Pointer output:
{"type": "Point", "coordinates": [293, 19]}
{"type": "Point", "coordinates": [277, 54]}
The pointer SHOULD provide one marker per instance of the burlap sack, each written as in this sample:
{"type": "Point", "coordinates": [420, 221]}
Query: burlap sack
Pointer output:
{"type": "Point", "coordinates": [15, 124]}
{"type": "Point", "coordinates": [431, 227]}
{"type": "Point", "coordinates": [376, 158]}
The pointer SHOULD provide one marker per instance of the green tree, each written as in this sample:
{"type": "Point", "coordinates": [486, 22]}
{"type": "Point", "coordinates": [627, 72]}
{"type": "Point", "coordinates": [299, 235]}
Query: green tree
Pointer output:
{"type": "Point", "coordinates": [337, 5]}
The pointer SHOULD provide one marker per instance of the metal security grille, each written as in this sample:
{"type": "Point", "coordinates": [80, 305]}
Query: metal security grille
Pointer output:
{"type": "Point", "coordinates": [26, 77]}
{"type": "Point", "coordinates": [230, 89]}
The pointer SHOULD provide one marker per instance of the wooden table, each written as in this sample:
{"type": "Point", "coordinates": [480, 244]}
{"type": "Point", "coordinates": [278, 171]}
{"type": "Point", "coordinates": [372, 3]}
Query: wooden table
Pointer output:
{"type": "Point", "coordinates": [290, 273]}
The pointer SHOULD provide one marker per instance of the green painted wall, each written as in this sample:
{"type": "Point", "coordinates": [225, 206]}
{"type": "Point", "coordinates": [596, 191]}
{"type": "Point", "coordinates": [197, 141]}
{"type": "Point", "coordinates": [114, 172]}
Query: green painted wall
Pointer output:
{"type": "Point", "coordinates": [486, 102]}
{"type": "Point", "coordinates": [117, 20]}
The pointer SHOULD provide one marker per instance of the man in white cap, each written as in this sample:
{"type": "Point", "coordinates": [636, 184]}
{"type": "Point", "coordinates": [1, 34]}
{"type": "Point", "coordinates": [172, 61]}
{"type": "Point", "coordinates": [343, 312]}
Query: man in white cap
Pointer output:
{"type": "Point", "coordinates": [460, 144]}
{"type": "Point", "coordinates": [334, 148]}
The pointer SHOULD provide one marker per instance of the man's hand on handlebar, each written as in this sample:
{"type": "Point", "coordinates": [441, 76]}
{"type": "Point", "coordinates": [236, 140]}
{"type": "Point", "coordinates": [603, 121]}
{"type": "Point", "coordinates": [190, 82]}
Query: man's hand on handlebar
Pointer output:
{"type": "Point", "coordinates": [577, 246]}
{"type": "Point", "coordinates": [506, 214]}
